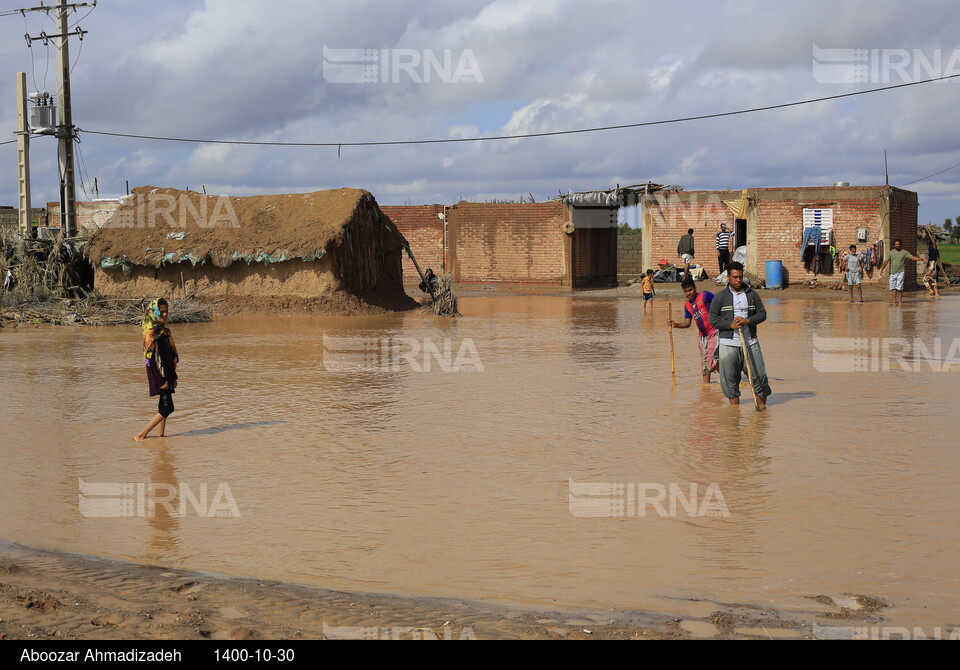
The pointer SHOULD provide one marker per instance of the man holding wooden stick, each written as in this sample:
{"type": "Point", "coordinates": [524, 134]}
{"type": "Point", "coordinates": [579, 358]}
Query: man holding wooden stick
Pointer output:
{"type": "Point", "coordinates": [736, 310]}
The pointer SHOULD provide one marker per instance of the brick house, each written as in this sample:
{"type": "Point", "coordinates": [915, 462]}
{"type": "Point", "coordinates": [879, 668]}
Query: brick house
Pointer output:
{"type": "Point", "coordinates": [423, 226]}
{"type": "Point", "coordinates": [771, 222]}
{"type": "Point", "coordinates": [91, 214]}
{"type": "Point", "coordinates": [570, 241]}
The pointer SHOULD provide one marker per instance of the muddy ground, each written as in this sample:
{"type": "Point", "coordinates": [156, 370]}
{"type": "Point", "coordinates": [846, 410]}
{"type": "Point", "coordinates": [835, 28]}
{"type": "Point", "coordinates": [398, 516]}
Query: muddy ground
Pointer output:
{"type": "Point", "coordinates": [46, 596]}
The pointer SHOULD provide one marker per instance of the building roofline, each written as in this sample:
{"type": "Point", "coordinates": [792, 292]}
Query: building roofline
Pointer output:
{"type": "Point", "coordinates": [800, 188]}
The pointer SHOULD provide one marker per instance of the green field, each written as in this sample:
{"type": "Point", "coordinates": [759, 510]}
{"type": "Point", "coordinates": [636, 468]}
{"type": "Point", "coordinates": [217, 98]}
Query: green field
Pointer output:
{"type": "Point", "coordinates": [950, 253]}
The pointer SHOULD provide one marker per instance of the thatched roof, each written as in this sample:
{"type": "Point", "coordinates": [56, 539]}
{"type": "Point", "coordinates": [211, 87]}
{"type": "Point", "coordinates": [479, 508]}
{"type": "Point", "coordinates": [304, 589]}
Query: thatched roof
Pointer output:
{"type": "Point", "coordinates": [161, 225]}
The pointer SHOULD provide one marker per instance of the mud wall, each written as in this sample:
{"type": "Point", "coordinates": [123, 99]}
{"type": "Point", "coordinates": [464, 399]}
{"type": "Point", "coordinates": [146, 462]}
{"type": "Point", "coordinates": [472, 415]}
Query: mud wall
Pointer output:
{"type": "Point", "coordinates": [291, 278]}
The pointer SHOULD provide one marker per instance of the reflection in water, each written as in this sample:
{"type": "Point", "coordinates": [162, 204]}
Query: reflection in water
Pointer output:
{"type": "Point", "coordinates": [163, 516]}
{"type": "Point", "coordinates": [456, 483]}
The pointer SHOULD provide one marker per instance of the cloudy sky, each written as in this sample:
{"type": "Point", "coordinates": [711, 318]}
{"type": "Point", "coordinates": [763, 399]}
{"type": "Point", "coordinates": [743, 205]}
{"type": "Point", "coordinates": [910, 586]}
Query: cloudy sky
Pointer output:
{"type": "Point", "coordinates": [255, 70]}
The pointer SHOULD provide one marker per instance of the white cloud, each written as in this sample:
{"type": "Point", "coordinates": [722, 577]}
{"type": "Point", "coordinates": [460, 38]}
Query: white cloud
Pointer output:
{"type": "Point", "coordinates": [254, 70]}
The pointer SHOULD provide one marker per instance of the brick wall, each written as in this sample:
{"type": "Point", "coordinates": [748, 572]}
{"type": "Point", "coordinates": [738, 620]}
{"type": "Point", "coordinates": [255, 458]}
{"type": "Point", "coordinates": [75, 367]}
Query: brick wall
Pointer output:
{"type": "Point", "coordinates": [629, 264]}
{"type": "Point", "coordinates": [90, 214]}
{"type": "Point", "coordinates": [422, 225]}
{"type": "Point", "coordinates": [671, 215]}
{"type": "Point", "coordinates": [903, 225]}
{"type": "Point", "coordinates": [780, 226]}
{"type": "Point", "coordinates": [10, 217]}
{"type": "Point", "coordinates": [775, 223]}
{"type": "Point", "coordinates": [507, 242]}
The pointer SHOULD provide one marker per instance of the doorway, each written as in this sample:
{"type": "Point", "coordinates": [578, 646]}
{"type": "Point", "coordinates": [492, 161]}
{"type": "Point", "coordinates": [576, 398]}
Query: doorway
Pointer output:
{"type": "Point", "coordinates": [740, 234]}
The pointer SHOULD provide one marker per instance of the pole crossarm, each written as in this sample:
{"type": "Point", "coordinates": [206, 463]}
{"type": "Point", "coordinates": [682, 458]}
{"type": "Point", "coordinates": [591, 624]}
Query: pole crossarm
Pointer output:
{"type": "Point", "coordinates": [50, 8]}
{"type": "Point", "coordinates": [79, 32]}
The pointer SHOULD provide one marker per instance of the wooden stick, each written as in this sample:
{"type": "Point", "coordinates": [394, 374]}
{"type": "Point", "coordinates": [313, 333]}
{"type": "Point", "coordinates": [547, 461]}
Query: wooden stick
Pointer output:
{"type": "Point", "coordinates": [423, 278]}
{"type": "Point", "coordinates": [746, 357]}
{"type": "Point", "coordinates": [673, 363]}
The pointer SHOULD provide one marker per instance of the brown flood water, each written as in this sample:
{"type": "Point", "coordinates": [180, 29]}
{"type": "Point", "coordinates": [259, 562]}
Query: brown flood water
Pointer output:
{"type": "Point", "coordinates": [456, 483]}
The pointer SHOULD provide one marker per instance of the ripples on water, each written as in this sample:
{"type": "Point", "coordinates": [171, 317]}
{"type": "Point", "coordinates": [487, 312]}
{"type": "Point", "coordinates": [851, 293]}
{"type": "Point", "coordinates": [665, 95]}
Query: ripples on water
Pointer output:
{"type": "Point", "coordinates": [456, 483]}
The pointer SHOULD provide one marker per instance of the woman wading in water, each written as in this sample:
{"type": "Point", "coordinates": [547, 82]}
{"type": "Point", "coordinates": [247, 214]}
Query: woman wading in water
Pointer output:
{"type": "Point", "coordinates": [160, 354]}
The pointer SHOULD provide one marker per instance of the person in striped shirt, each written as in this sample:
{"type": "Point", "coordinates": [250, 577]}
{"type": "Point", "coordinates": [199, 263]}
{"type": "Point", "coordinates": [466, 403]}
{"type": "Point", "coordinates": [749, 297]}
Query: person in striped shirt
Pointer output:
{"type": "Point", "coordinates": [723, 247]}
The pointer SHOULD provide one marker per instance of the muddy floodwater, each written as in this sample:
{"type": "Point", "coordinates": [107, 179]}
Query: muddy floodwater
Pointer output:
{"type": "Point", "coordinates": [330, 456]}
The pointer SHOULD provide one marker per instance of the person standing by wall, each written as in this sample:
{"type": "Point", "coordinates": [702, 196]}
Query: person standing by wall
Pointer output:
{"type": "Point", "coordinates": [723, 248]}
{"type": "Point", "coordinates": [854, 268]}
{"type": "Point", "coordinates": [933, 259]}
{"type": "Point", "coordinates": [685, 251]}
{"type": "Point", "coordinates": [897, 260]}
{"type": "Point", "coordinates": [932, 275]}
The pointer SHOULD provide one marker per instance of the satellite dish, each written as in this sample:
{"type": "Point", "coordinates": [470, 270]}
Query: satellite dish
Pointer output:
{"type": "Point", "coordinates": [568, 227]}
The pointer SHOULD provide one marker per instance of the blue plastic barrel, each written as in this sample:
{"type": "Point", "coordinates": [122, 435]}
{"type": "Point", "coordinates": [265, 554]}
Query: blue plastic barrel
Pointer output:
{"type": "Point", "coordinates": [774, 274]}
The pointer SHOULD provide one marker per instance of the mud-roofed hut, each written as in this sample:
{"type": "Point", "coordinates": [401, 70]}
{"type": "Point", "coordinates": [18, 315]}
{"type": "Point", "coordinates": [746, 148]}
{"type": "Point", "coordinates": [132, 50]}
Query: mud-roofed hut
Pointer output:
{"type": "Point", "coordinates": [332, 251]}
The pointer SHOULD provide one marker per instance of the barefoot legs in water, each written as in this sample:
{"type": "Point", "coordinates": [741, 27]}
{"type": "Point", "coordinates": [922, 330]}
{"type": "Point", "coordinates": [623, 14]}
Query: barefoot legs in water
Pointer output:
{"type": "Point", "coordinates": [158, 420]}
{"type": "Point", "coordinates": [761, 402]}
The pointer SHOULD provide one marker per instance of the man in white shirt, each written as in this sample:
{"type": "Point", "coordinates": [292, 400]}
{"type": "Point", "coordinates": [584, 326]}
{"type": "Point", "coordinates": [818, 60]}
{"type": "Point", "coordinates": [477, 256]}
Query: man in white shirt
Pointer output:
{"type": "Point", "coordinates": [735, 307]}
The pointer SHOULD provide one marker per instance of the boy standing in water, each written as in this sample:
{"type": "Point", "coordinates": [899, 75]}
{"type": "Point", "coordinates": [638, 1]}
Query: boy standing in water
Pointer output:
{"type": "Point", "coordinates": [646, 286]}
{"type": "Point", "coordinates": [698, 309]}
{"type": "Point", "coordinates": [854, 271]}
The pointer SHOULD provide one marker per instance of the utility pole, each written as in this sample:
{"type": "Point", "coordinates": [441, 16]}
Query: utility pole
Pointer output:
{"type": "Point", "coordinates": [66, 132]}
{"type": "Point", "coordinates": [23, 156]}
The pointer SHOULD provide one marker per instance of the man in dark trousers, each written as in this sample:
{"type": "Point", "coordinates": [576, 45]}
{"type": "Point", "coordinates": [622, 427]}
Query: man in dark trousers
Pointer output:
{"type": "Point", "coordinates": [734, 307]}
{"type": "Point", "coordinates": [723, 248]}
{"type": "Point", "coordinates": [685, 251]}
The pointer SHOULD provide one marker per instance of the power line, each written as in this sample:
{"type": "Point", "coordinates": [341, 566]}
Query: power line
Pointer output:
{"type": "Point", "coordinates": [931, 175]}
{"type": "Point", "coordinates": [532, 135]}
{"type": "Point", "coordinates": [84, 175]}
{"type": "Point", "coordinates": [450, 140]}
{"type": "Point", "coordinates": [46, 46]}
{"type": "Point", "coordinates": [33, 64]}
{"type": "Point", "coordinates": [77, 22]}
